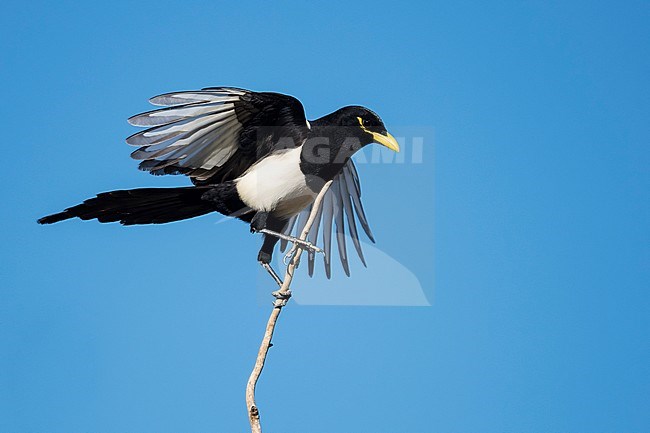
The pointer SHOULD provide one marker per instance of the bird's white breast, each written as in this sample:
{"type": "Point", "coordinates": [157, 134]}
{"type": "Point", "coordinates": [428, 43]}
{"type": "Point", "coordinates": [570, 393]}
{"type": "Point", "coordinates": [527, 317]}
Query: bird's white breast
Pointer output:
{"type": "Point", "coordinates": [276, 184]}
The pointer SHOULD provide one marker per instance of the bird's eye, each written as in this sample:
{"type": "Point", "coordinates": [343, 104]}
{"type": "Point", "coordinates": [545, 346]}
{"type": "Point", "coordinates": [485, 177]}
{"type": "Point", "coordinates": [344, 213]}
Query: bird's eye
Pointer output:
{"type": "Point", "coordinates": [364, 122]}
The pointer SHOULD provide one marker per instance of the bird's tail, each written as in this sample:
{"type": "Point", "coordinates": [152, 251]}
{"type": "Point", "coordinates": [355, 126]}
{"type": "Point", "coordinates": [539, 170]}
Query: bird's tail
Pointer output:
{"type": "Point", "coordinates": [139, 206]}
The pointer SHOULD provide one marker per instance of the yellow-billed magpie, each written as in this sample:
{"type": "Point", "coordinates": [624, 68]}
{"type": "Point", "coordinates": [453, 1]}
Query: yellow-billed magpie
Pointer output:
{"type": "Point", "coordinates": [250, 155]}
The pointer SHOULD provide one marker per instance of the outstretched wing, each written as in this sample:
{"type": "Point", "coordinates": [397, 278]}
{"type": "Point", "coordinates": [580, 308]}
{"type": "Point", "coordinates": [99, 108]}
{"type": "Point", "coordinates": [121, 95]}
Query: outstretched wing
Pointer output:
{"type": "Point", "coordinates": [215, 134]}
{"type": "Point", "coordinates": [340, 205]}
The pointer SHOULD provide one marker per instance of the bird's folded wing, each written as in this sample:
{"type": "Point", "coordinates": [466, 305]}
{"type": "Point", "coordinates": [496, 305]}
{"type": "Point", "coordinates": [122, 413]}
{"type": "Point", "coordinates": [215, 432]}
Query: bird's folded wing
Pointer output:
{"type": "Point", "coordinates": [214, 132]}
{"type": "Point", "coordinates": [339, 207]}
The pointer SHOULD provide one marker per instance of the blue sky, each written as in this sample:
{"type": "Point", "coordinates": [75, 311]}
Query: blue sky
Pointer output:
{"type": "Point", "coordinates": [525, 226]}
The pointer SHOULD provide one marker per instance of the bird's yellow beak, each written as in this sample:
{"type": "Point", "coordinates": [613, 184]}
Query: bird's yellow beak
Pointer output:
{"type": "Point", "coordinates": [387, 140]}
{"type": "Point", "coordinates": [384, 139]}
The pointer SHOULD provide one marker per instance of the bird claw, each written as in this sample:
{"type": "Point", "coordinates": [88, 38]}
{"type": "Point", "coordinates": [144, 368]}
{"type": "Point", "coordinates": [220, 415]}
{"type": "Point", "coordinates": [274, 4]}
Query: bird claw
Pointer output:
{"type": "Point", "coordinates": [280, 294]}
{"type": "Point", "coordinates": [281, 297]}
{"type": "Point", "coordinates": [289, 256]}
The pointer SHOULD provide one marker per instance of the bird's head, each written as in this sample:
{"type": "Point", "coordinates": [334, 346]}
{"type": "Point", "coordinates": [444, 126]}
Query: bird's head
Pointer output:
{"type": "Point", "coordinates": [366, 125]}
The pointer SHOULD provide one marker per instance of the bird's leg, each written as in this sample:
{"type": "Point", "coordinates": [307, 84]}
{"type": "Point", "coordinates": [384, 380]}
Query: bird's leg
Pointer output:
{"type": "Point", "coordinates": [264, 223]}
{"type": "Point", "coordinates": [296, 241]}
{"type": "Point", "coordinates": [264, 259]}
{"type": "Point", "coordinates": [261, 223]}
{"type": "Point", "coordinates": [272, 273]}
{"type": "Point", "coordinates": [278, 294]}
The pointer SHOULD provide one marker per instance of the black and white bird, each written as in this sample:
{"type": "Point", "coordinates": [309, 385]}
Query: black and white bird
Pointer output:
{"type": "Point", "coordinates": [250, 155]}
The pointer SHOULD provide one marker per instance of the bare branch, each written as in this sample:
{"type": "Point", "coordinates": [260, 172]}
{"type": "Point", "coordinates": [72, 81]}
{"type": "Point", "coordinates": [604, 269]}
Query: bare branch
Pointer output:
{"type": "Point", "coordinates": [282, 297]}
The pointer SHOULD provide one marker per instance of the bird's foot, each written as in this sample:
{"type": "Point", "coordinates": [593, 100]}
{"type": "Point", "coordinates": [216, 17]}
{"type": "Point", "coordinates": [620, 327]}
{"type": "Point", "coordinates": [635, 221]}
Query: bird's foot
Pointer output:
{"type": "Point", "coordinates": [288, 257]}
{"type": "Point", "coordinates": [281, 297]}
{"type": "Point", "coordinates": [305, 245]}
{"type": "Point", "coordinates": [282, 294]}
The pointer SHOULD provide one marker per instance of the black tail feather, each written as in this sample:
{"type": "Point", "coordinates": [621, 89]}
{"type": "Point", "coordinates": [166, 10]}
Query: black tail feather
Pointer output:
{"type": "Point", "coordinates": [139, 206]}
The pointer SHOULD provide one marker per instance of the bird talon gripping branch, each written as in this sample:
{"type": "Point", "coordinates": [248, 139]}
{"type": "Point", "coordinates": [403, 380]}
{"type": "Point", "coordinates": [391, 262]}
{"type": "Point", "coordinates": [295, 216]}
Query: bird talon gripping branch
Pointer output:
{"type": "Point", "coordinates": [289, 256]}
{"type": "Point", "coordinates": [279, 294]}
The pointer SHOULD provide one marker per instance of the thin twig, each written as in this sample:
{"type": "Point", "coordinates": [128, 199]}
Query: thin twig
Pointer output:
{"type": "Point", "coordinates": [282, 297]}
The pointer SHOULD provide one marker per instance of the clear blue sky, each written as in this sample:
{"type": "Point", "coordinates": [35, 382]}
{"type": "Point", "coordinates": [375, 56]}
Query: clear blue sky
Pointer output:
{"type": "Point", "coordinates": [530, 211]}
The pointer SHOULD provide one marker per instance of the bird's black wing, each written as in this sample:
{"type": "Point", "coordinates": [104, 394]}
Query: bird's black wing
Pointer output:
{"type": "Point", "coordinates": [217, 133]}
{"type": "Point", "coordinates": [339, 207]}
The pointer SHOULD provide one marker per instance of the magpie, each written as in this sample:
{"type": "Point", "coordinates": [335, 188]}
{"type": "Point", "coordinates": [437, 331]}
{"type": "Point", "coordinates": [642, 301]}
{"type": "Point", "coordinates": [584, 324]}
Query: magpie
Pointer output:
{"type": "Point", "coordinates": [250, 155]}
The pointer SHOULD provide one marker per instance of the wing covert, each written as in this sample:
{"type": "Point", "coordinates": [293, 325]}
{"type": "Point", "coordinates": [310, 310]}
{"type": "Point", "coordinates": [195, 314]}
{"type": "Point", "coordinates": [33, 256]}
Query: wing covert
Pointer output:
{"type": "Point", "coordinates": [216, 133]}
